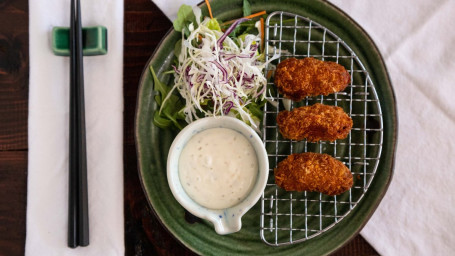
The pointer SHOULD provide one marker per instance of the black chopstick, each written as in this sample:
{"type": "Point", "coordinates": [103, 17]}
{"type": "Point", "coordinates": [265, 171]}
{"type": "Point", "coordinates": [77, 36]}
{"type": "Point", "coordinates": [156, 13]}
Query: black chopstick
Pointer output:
{"type": "Point", "coordinates": [73, 148]}
{"type": "Point", "coordinates": [83, 193]}
{"type": "Point", "coordinates": [78, 225]}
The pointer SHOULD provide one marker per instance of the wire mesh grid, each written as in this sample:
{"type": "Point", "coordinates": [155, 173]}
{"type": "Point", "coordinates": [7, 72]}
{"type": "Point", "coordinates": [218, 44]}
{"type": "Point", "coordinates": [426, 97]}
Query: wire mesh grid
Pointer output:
{"type": "Point", "coordinates": [292, 217]}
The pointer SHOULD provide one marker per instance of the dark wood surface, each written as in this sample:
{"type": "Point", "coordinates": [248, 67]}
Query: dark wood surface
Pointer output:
{"type": "Point", "coordinates": [145, 25]}
{"type": "Point", "coordinates": [13, 124]}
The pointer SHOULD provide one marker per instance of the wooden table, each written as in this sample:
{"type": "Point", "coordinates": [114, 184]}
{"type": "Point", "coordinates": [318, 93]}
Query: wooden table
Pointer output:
{"type": "Point", "coordinates": [145, 25]}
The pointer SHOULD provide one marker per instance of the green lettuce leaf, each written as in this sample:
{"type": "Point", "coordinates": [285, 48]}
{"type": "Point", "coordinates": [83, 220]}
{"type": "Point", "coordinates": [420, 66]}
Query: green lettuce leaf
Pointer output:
{"type": "Point", "coordinates": [246, 8]}
{"type": "Point", "coordinates": [178, 48]}
{"type": "Point", "coordinates": [214, 25]}
{"type": "Point", "coordinates": [185, 16]}
{"type": "Point", "coordinates": [170, 111]}
{"type": "Point", "coordinates": [255, 108]}
{"type": "Point", "coordinates": [160, 87]}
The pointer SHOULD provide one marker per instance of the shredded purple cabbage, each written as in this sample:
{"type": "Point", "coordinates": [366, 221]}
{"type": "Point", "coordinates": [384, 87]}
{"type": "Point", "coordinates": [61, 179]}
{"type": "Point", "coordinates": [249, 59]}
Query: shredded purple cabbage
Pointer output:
{"type": "Point", "coordinates": [175, 69]}
{"type": "Point", "coordinates": [227, 107]}
{"type": "Point", "coordinates": [228, 31]}
{"type": "Point", "coordinates": [222, 69]}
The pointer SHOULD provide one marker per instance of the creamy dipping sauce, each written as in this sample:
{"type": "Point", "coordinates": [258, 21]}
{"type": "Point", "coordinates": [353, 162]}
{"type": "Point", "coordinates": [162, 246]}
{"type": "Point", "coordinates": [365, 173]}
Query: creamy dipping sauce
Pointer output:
{"type": "Point", "coordinates": [218, 167]}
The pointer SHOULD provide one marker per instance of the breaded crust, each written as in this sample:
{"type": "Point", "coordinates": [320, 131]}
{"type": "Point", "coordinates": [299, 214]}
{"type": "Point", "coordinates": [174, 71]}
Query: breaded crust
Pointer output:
{"type": "Point", "coordinates": [313, 172]}
{"type": "Point", "coordinates": [314, 123]}
{"type": "Point", "coordinates": [299, 78]}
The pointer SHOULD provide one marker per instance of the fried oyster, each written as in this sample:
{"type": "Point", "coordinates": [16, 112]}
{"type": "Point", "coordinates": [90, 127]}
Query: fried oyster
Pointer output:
{"type": "Point", "coordinates": [314, 123]}
{"type": "Point", "coordinates": [313, 172]}
{"type": "Point", "coordinates": [299, 78]}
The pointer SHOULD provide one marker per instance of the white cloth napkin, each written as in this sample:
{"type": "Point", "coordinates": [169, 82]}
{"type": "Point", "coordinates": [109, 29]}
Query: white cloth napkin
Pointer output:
{"type": "Point", "coordinates": [416, 39]}
{"type": "Point", "coordinates": [47, 201]}
{"type": "Point", "coordinates": [170, 10]}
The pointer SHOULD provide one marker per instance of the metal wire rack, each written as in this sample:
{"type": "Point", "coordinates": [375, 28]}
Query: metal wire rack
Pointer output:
{"type": "Point", "coordinates": [293, 217]}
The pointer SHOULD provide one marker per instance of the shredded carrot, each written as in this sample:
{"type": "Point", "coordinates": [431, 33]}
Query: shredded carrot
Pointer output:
{"type": "Point", "coordinates": [246, 17]}
{"type": "Point", "coordinates": [210, 9]}
{"type": "Point", "coordinates": [269, 74]}
{"type": "Point", "coordinates": [255, 15]}
{"type": "Point", "coordinates": [262, 35]}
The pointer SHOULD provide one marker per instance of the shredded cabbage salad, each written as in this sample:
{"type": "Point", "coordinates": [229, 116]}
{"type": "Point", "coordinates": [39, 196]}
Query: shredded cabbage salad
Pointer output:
{"type": "Point", "coordinates": [217, 74]}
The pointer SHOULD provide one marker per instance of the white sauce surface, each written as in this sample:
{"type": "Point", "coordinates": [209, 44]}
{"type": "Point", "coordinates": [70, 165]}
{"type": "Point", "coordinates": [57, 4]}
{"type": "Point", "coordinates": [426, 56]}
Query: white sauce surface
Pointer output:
{"type": "Point", "coordinates": [218, 167]}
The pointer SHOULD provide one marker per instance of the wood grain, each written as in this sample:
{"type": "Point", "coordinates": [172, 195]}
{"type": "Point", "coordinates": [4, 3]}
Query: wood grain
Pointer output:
{"type": "Point", "coordinates": [13, 199]}
{"type": "Point", "coordinates": [13, 125]}
{"type": "Point", "coordinates": [13, 74]}
{"type": "Point", "coordinates": [145, 25]}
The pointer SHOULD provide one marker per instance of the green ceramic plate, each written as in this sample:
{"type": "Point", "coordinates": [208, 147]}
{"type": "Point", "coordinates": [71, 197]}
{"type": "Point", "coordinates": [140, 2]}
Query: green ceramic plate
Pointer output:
{"type": "Point", "coordinates": [153, 143]}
